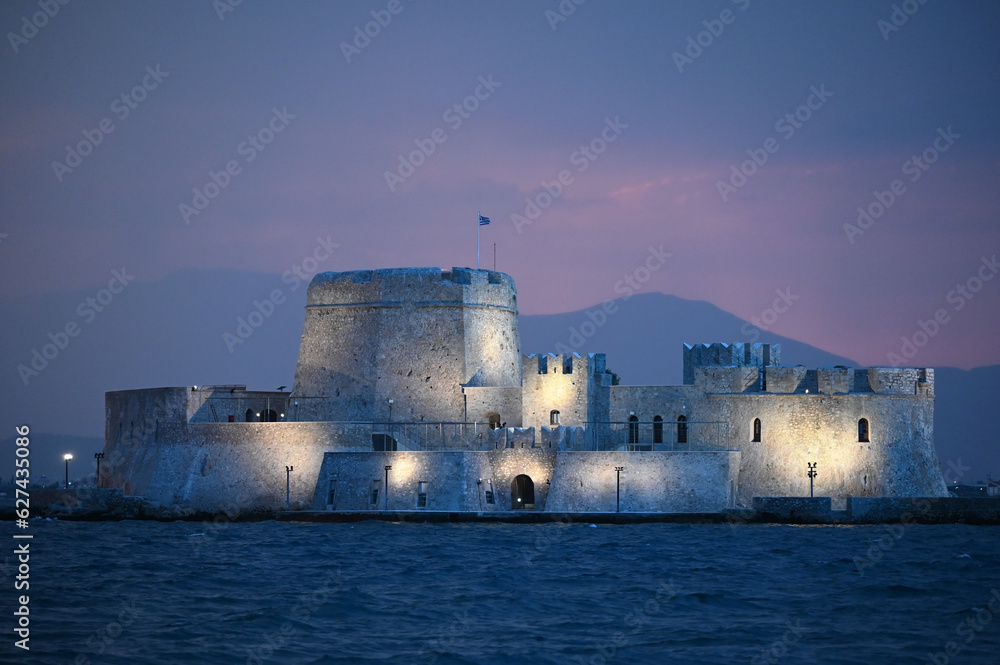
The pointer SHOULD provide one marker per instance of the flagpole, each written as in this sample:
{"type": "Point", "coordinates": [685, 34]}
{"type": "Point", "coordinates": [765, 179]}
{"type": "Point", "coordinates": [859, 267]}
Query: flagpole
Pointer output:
{"type": "Point", "coordinates": [477, 238]}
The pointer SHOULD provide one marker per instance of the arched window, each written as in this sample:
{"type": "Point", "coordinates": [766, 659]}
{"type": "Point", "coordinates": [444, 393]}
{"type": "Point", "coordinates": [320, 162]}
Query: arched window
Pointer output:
{"type": "Point", "coordinates": [657, 429]}
{"type": "Point", "coordinates": [633, 429]}
{"type": "Point", "coordinates": [863, 436]}
{"type": "Point", "coordinates": [493, 419]}
{"type": "Point", "coordinates": [682, 429]}
{"type": "Point", "coordinates": [756, 430]}
{"type": "Point", "coordinates": [553, 417]}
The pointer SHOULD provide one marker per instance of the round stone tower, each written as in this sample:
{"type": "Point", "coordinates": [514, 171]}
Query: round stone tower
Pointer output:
{"type": "Point", "coordinates": [411, 335]}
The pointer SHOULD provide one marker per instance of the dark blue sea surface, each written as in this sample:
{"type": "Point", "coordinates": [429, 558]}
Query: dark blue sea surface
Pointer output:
{"type": "Point", "coordinates": [491, 594]}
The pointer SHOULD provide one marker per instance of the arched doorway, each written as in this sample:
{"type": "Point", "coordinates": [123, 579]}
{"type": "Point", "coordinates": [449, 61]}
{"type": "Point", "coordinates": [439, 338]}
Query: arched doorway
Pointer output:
{"type": "Point", "coordinates": [270, 416]}
{"type": "Point", "coordinates": [633, 428]}
{"type": "Point", "coordinates": [522, 493]}
{"type": "Point", "coordinates": [249, 415]}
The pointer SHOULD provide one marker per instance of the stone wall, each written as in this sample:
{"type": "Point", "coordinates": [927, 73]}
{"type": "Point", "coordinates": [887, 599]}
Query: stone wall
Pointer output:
{"type": "Point", "coordinates": [415, 335]}
{"type": "Point", "coordinates": [899, 459]}
{"type": "Point", "coordinates": [562, 481]}
{"type": "Point", "coordinates": [650, 482]}
{"type": "Point", "coordinates": [504, 402]}
{"type": "Point", "coordinates": [452, 481]}
{"type": "Point", "coordinates": [556, 382]}
{"type": "Point", "coordinates": [924, 510]}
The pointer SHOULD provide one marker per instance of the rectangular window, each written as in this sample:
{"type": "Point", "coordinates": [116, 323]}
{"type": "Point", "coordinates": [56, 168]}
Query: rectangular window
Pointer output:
{"type": "Point", "coordinates": [489, 496]}
{"type": "Point", "coordinates": [421, 494]}
{"type": "Point", "coordinates": [376, 486]}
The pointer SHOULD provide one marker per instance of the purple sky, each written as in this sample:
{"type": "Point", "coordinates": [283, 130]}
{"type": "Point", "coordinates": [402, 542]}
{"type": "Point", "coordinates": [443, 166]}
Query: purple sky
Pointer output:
{"type": "Point", "coordinates": [886, 96]}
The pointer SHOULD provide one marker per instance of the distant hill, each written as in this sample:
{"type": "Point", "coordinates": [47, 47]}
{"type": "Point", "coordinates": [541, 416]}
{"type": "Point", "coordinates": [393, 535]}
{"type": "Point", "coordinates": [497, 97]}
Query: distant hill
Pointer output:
{"type": "Point", "coordinates": [171, 333]}
{"type": "Point", "coordinates": [643, 338]}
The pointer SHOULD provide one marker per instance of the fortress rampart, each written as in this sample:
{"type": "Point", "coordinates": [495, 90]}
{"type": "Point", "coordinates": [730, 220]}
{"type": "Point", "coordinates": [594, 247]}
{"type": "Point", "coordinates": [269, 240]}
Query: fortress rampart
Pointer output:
{"type": "Point", "coordinates": [421, 369]}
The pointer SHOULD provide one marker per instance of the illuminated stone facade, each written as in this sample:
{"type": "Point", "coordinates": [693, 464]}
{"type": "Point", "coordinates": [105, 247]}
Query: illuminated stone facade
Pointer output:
{"type": "Point", "coordinates": [421, 370]}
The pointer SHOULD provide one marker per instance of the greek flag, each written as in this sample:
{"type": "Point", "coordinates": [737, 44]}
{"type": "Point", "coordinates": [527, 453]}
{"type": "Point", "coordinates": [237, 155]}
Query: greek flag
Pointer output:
{"type": "Point", "coordinates": [483, 221]}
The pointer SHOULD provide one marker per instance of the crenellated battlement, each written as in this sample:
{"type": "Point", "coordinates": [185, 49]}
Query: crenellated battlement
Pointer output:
{"type": "Point", "coordinates": [738, 368]}
{"type": "Point", "coordinates": [737, 354]}
{"type": "Point", "coordinates": [554, 363]}
{"type": "Point", "coordinates": [590, 364]}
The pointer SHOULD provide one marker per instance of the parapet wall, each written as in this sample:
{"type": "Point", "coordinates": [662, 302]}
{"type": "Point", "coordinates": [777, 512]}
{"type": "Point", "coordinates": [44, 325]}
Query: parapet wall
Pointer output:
{"type": "Point", "coordinates": [738, 354]}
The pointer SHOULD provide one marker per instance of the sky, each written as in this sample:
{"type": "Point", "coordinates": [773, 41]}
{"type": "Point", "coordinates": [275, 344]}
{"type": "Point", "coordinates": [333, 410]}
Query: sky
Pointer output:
{"type": "Point", "coordinates": [827, 170]}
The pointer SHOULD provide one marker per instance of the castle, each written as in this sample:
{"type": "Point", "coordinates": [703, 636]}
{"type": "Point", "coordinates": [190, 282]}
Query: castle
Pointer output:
{"type": "Point", "coordinates": [411, 393]}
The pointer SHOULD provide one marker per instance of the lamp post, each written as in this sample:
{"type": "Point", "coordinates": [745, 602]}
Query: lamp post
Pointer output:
{"type": "Point", "coordinates": [387, 468]}
{"type": "Point", "coordinates": [390, 417]}
{"type": "Point", "coordinates": [812, 474]}
{"type": "Point", "coordinates": [288, 487]}
{"type": "Point", "coordinates": [618, 488]}
{"type": "Point", "coordinates": [67, 457]}
{"type": "Point", "coordinates": [98, 457]}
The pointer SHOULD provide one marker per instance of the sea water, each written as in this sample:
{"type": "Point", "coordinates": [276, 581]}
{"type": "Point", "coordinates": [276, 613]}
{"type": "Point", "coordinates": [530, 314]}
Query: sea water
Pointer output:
{"type": "Point", "coordinates": [376, 592]}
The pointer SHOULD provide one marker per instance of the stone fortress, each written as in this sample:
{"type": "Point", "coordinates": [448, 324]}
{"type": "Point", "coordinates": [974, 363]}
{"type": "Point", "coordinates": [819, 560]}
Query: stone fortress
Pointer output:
{"type": "Point", "coordinates": [411, 394]}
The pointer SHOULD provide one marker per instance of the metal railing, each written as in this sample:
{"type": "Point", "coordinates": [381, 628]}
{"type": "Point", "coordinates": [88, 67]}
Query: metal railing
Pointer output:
{"type": "Point", "coordinates": [648, 435]}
